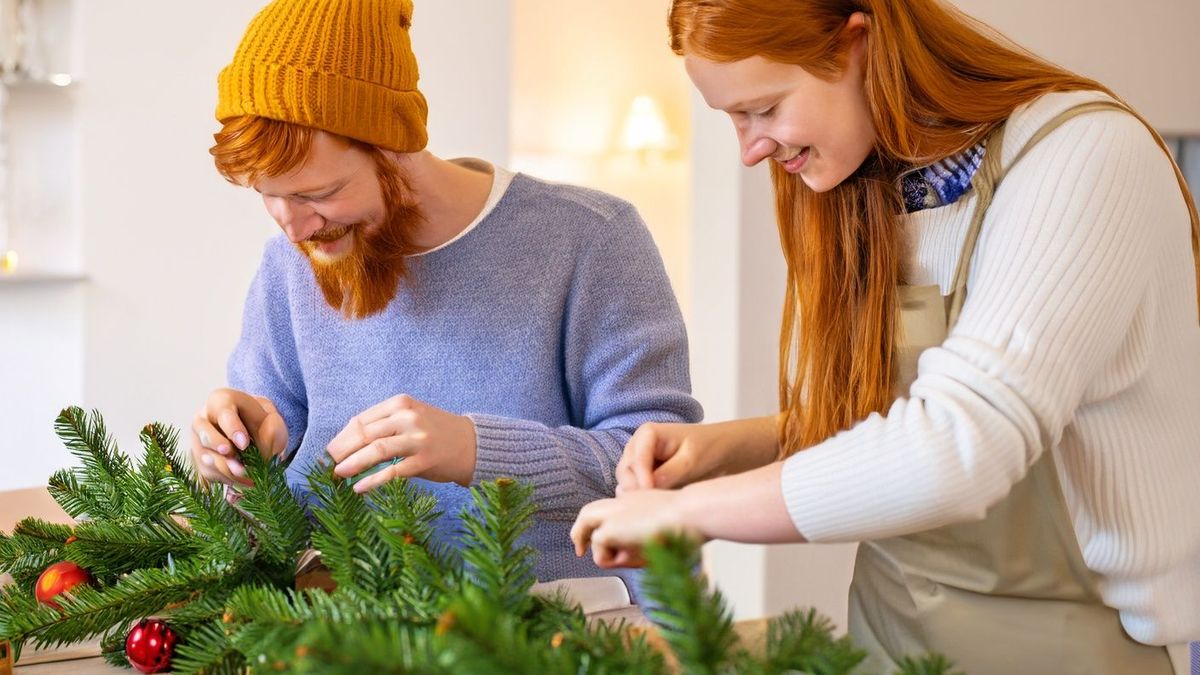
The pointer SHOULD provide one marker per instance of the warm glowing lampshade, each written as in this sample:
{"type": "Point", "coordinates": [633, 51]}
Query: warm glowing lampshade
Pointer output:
{"type": "Point", "coordinates": [645, 127]}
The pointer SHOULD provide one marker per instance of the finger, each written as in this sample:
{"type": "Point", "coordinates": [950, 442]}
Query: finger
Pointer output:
{"type": "Point", "coordinates": [406, 469]}
{"type": "Point", "coordinates": [387, 408]}
{"type": "Point", "coordinates": [204, 470]}
{"type": "Point", "coordinates": [641, 451]}
{"type": "Point", "coordinates": [626, 480]}
{"type": "Point", "coordinates": [272, 435]}
{"type": "Point", "coordinates": [603, 554]}
{"type": "Point", "coordinates": [234, 412]}
{"type": "Point", "coordinates": [351, 438]}
{"type": "Point", "coordinates": [217, 468]}
{"type": "Point", "coordinates": [373, 454]}
{"type": "Point", "coordinates": [629, 557]}
{"type": "Point", "coordinates": [674, 472]}
{"type": "Point", "coordinates": [359, 434]}
{"type": "Point", "coordinates": [208, 437]}
{"type": "Point", "coordinates": [586, 522]}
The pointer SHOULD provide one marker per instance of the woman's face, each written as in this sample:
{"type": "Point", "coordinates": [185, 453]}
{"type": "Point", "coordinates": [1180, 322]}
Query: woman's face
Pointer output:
{"type": "Point", "coordinates": [819, 129]}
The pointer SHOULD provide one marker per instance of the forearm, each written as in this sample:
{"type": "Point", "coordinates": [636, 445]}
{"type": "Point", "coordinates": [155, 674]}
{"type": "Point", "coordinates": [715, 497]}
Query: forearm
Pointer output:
{"type": "Point", "coordinates": [747, 507]}
{"type": "Point", "coordinates": [567, 467]}
{"type": "Point", "coordinates": [754, 442]}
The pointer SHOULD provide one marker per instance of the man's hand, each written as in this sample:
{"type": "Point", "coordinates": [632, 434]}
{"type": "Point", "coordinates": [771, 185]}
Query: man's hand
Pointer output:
{"type": "Point", "coordinates": [435, 444]}
{"type": "Point", "coordinates": [617, 528]}
{"type": "Point", "coordinates": [225, 425]}
{"type": "Point", "coordinates": [674, 455]}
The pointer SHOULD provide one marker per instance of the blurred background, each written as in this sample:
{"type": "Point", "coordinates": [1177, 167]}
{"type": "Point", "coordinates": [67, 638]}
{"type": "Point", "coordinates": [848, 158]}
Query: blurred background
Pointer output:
{"type": "Point", "coordinates": [125, 258]}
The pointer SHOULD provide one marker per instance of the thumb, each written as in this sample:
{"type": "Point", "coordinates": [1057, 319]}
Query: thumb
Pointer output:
{"type": "Point", "coordinates": [272, 433]}
{"type": "Point", "coordinates": [675, 472]}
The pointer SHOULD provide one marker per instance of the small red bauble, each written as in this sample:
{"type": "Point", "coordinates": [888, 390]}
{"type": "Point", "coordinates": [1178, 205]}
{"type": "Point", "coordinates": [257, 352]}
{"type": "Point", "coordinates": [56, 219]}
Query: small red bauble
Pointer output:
{"type": "Point", "coordinates": [57, 579]}
{"type": "Point", "coordinates": [150, 646]}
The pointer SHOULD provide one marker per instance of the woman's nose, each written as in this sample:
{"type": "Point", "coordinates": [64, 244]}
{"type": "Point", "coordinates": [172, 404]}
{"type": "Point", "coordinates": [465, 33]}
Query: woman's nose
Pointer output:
{"type": "Point", "coordinates": [755, 150]}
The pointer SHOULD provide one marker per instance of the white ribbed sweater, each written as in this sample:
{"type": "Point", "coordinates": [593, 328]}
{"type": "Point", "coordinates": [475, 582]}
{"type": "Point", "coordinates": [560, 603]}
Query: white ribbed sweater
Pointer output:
{"type": "Point", "coordinates": [1079, 335]}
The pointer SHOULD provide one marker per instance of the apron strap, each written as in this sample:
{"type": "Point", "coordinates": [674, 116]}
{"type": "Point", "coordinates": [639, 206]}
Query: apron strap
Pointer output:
{"type": "Point", "coordinates": [989, 175]}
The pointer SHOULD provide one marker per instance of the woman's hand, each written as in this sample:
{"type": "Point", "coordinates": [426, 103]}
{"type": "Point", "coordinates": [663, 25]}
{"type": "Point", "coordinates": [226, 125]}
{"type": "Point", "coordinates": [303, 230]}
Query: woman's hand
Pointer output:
{"type": "Point", "coordinates": [674, 455]}
{"type": "Point", "coordinates": [435, 444]}
{"type": "Point", "coordinates": [225, 425]}
{"type": "Point", "coordinates": [617, 528]}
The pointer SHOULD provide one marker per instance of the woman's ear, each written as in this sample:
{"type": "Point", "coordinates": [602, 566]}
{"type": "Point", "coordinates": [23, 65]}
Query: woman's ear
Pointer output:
{"type": "Point", "coordinates": [856, 33]}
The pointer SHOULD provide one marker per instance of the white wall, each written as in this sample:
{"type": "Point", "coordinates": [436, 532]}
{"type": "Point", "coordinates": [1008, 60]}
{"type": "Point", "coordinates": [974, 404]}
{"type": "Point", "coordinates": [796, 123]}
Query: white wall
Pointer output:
{"type": "Point", "coordinates": [169, 247]}
{"type": "Point", "coordinates": [1145, 51]}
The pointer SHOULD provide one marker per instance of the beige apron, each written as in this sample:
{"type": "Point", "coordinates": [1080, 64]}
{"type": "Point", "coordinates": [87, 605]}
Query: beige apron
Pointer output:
{"type": "Point", "coordinates": [1009, 594]}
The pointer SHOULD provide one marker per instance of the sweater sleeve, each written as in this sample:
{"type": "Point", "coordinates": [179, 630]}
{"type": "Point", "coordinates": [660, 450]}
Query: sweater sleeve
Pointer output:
{"type": "Point", "coordinates": [1062, 264]}
{"type": "Point", "coordinates": [625, 364]}
{"type": "Point", "coordinates": [264, 361]}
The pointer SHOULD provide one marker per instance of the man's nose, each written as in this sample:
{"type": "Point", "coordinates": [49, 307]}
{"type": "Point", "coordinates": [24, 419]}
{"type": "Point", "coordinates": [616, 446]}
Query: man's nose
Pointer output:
{"type": "Point", "coordinates": [298, 221]}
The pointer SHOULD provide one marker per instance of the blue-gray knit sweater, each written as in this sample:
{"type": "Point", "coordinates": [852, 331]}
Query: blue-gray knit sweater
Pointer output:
{"type": "Point", "coordinates": [551, 324]}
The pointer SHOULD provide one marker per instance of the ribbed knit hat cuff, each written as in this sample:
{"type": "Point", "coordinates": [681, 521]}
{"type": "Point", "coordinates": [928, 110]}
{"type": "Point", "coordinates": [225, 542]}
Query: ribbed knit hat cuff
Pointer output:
{"type": "Point", "coordinates": [357, 109]}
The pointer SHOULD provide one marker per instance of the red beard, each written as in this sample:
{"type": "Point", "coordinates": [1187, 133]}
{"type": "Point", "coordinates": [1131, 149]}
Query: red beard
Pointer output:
{"type": "Point", "coordinates": [364, 281]}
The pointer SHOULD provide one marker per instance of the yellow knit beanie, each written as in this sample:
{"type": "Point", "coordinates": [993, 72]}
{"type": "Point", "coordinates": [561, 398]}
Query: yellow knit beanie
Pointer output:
{"type": "Point", "coordinates": [344, 66]}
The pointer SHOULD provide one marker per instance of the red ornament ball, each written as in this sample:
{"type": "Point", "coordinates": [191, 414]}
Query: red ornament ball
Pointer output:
{"type": "Point", "coordinates": [57, 579]}
{"type": "Point", "coordinates": [150, 646]}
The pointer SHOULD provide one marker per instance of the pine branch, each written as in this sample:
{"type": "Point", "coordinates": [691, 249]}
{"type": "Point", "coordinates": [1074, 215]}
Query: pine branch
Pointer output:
{"type": "Point", "coordinates": [280, 525]}
{"type": "Point", "coordinates": [151, 492]}
{"type": "Point", "coordinates": [694, 623]}
{"type": "Point", "coordinates": [105, 472]}
{"type": "Point", "coordinates": [225, 533]}
{"type": "Point", "coordinates": [165, 439]}
{"type": "Point", "coordinates": [106, 549]}
{"type": "Point", "coordinates": [929, 664]}
{"type": "Point", "coordinates": [112, 646]}
{"type": "Point", "coordinates": [34, 545]}
{"type": "Point", "coordinates": [358, 560]}
{"type": "Point", "coordinates": [374, 647]}
{"type": "Point", "coordinates": [804, 641]}
{"type": "Point", "coordinates": [88, 612]}
{"type": "Point", "coordinates": [79, 502]}
{"type": "Point", "coordinates": [497, 562]}
{"type": "Point", "coordinates": [422, 572]}
{"type": "Point", "coordinates": [19, 610]}
{"type": "Point", "coordinates": [208, 650]}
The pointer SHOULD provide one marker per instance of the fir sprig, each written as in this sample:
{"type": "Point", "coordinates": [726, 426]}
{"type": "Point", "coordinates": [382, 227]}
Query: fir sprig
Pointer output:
{"type": "Point", "coordinates": [499, 564]}
{"type": "Point", "coordinates": [348, 541]}
{"type": "Point", "coordinates": [695, 623]}
{"type": "Point", "coordinates": [108, 549]}
{"type": "Point", "coordinates": [34, 545]}
{"type": "Point", "coordinates": [280, 526]}
{"type": "Point", "coordinates": [105, 473]}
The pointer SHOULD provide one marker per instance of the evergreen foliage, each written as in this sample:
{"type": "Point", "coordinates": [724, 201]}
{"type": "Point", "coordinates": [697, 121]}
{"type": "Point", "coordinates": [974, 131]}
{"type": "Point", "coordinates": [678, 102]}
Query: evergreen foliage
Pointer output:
{"type": "Point", "coordinates": [159, 543]}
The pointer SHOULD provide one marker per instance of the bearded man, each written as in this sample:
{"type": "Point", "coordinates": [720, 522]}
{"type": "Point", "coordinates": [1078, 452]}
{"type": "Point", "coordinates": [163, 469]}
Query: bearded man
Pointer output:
{"type": "Point", "coordinates": [449, 321]}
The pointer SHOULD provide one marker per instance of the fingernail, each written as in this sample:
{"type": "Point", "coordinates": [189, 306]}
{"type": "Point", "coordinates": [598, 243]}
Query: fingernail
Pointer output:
{"type": "Point", "coordinates": [223, 448]}
{"type": "Point", "coordinates": [236, 468]}
{"type": "Point", "coordinates": [240, 439]}
{"type": "Point", "coordinates": [206, 460]}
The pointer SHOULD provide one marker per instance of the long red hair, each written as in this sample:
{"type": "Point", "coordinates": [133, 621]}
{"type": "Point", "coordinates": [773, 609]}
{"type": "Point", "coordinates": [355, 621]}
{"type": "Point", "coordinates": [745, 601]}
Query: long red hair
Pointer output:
{"type": "Point", "coordinates": [937, 82]}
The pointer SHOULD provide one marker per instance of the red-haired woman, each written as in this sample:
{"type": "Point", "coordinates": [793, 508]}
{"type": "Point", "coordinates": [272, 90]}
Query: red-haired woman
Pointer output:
{"type": "Point", "coordinates": [1026, 494]}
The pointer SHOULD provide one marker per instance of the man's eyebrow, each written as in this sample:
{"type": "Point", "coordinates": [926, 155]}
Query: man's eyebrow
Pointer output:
{"type": "Point", "coordinates": [328, 187]}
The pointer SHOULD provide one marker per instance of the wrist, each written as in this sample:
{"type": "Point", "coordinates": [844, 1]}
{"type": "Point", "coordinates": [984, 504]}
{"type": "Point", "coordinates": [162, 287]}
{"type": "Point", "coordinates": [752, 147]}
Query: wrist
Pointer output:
{"type": "Point", "coordinates": [470, 452]}
{"type": "Point", "coordinates": [690, 511]}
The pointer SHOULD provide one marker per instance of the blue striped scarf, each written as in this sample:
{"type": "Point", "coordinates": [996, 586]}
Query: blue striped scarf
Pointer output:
{"type": "Point", "coordinates": [942, 182]}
